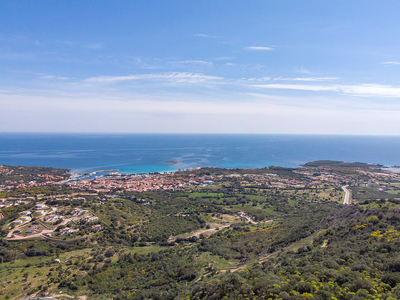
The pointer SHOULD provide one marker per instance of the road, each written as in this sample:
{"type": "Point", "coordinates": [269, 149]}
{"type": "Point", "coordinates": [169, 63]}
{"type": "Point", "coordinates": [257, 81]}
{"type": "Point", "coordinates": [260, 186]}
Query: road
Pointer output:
{"type": "Point", "coordinates": [206, 232]}
{"type": "Point", "coordinates": [346, 195]}
{"type": "Point", "coordinates": [20, 237]}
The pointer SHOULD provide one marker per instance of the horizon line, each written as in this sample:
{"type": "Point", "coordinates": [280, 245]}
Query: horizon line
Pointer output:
{"type": "Point", "coordinates": [198, 133]}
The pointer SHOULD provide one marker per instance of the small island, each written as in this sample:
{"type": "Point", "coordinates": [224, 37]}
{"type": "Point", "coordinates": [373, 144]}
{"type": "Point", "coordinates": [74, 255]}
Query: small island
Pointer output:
{"type": "Point", "coordinates": [173, 161]}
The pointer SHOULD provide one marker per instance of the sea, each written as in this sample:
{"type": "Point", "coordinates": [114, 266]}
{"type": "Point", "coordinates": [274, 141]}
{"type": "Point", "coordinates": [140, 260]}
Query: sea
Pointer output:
{"type": "Point", "coordinates": [146, 153]}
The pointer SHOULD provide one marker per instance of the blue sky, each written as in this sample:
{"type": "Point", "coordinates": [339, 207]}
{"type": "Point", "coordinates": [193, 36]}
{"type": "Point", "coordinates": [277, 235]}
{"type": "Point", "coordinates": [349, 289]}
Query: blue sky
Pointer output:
{"type": "Point", "coordinates": [287, 66]}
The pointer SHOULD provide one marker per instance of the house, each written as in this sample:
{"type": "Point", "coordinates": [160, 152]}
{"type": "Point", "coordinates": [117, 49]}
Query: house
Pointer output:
{"type": "Point", "coordinates": [96, 227]}
{"type": "Point", "coordinates": [32, 229]}
{"type": "Point", "coordinates": [89, 219]}
{"type": "Point", "coordinates": [24, 218]}
{"type": "Point", "coordinates": [51, 218]}
{"type": "Point", "coordinates": [77, 212]}
{"type": "Point", "coordinates": [40, 206]}
{"type": "Point", "coordinates": [67, 230]}
{"type": "Point", "coordinates": [26, 213]}
{"type": "Point", "coordinates": [64, 230]}
{"type": "Point", "coordinates": [242, 214]}
{"type": "Point", "coordinates": [17, 222]}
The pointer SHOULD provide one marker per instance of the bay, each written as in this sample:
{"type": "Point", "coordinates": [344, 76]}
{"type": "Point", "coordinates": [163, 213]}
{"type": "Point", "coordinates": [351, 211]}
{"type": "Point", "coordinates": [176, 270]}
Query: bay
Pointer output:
{"type": "Point", "coordinates": [144, 153]}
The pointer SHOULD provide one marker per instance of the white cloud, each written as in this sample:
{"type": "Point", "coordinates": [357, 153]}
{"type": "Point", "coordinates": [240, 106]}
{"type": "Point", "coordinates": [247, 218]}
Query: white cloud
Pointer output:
{"type": "Point", "coordinates": [391, 63]}
{"type": "Point", "coordinates": [307, 79]}
{"type": "Point", "coordinates": [304, 71]}
{"type": "Point", "coordinates": [54, 77]}
{"type": "Point", "coordinates": [204, 35]}
{"type": "Point", "coordinates": [364, 90]}
{"type": "Point", "coordinates": [193, 62]}
{"type": "Point", "coordinates": [259, 79]}
{"type": "Point", "coordinates": [297, 87]}
{"type": "Point", "coordinates": [146, 65]}
{"type": "Point", "coordinates": [223, 58]}
{"type": "Point", "coordinates": [172, 76]}
{"type": "Point", "coordinates": [260, 48]}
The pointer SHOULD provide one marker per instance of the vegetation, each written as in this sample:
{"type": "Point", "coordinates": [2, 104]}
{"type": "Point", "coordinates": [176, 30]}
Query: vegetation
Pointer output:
{"type": "Point", "coordinates": [231, 240]}
{"type": "Point", "coordinates": [27, 174]}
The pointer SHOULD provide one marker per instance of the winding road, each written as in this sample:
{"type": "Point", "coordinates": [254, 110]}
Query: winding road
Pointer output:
{"type": "Point", "coordinates": [346, 194]}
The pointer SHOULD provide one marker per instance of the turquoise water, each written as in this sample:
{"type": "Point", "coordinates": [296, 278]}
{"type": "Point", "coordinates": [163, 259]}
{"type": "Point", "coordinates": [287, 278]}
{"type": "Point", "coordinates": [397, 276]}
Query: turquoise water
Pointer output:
{"type": "Point", "coordinates": [144, 153]}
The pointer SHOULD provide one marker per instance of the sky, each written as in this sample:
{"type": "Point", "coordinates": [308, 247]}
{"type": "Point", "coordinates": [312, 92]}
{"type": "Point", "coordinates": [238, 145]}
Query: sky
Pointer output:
{"type": "Point", "coordinates": [226, 66]}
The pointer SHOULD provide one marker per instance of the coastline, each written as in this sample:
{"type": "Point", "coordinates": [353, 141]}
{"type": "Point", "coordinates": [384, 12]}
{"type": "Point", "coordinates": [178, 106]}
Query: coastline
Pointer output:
{"type": "Point", "coordinates": [147, 153]}
{"type": "Point", "coordinates": [92, 175]}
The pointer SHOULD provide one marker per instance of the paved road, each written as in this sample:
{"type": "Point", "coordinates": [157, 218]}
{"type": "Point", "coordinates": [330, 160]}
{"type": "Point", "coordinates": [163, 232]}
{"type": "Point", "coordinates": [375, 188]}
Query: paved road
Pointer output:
{"type": "Point", "coordinates": [346, 195]}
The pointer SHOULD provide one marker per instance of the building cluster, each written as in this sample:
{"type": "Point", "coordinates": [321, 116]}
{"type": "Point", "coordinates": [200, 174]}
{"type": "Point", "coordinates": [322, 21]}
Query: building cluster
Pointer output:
{"type": "Point", "coordinates": [67, 230]}
{"type": "Point", "coordinates": [271, 180]}
{"type": "Point", "coordinates": [20, 184]}
{"type": "Point", "coordinates": [78, 212]}
{"type": "Point", "coordinates": [139, 183]}
{"type": "Point", "coordinates": [52, 217]}
{"type": "Point", "coordinates": [89, 219]}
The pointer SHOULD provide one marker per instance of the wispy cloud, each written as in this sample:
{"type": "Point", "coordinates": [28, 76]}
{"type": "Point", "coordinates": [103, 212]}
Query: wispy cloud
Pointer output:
{"type": "Point", "coordinates": [16, 56]}
{"type": "Point", "coordinates": [298, 87]}
{"type": "Point", "coordinates": [146, 65]}
{"type": "Point", "coordinates": [259, 48]}
{"type": "Point", "coordinates": [54, 77]}
{"type": "Point", "coordinates": [223, 58]}
{"type": "Point", "coordinates": [69, 43]}
{"type": "Point", "coordinates": [203, 35]}
{"type": "Point", "coordinates": [307, 79]}
{"type": "Point", "coordinates": [363, 90]}
{"type": "Point", "coordinates": [171, 76]}
{"type": "Point", "coordinates": [304, 71]}
{"type": "Point", "coordinates": [93, 46]}
{"type": "Point", "coordinates": [391, 63]}
{"type": "Point", "coordinates": [193, 62]}
{"type": "Point", "coordinates": [260, 79]}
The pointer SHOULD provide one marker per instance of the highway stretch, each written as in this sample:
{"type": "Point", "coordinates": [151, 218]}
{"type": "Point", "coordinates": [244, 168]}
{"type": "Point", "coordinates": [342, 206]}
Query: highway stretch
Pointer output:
{"type": "Point", "coordinates": [346, 194]}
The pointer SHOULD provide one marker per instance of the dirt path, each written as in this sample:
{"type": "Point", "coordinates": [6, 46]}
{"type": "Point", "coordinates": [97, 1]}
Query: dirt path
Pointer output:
{"type": "Point", "coordinates": [63, 295]}
{"type": "Point", "coordinates": [65, 221]}
{"type": "Point", "coordinates": [251, 221]}
{"type": "Point", "coordinates": [264, 258]}
{"type": "Point", "coordinates": [206, 232]}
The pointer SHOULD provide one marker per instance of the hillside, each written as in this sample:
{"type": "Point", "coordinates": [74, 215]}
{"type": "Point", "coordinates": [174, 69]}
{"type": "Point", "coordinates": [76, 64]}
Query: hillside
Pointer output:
{"type": "Point", "coordinates": [239, 235]}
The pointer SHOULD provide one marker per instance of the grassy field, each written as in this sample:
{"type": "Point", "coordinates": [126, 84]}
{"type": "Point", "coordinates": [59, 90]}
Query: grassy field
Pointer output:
{"type": "Point", "coordinates": [208, 194]}
{"type": "Point", "coordinates": [393, 192]}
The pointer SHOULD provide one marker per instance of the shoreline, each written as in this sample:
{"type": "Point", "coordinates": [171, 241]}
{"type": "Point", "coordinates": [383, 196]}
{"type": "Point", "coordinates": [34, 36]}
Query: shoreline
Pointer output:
{"type": "Point", "coordinates": [383, 168]}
